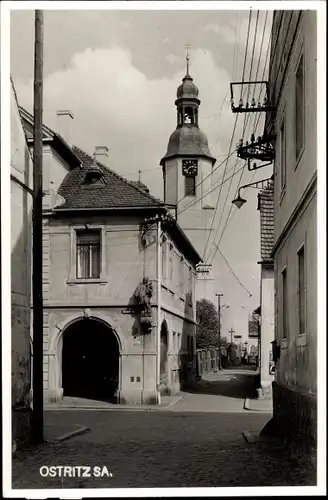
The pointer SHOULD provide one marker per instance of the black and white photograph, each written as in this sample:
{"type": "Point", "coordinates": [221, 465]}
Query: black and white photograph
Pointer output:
{"type": "Point", "coordinates": [163, 244]}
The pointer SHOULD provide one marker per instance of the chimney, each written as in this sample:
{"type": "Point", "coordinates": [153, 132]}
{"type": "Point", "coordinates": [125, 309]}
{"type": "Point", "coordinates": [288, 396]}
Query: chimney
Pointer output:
{"type": "Point", "coordinates": [64, 124]}
{"type": "Point", "coordinates": [101, 154]}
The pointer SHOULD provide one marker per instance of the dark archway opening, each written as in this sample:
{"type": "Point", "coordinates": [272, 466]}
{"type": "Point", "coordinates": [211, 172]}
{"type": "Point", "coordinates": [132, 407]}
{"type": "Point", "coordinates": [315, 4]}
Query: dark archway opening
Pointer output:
{"type": "Point", "coordinates": [90, 365]}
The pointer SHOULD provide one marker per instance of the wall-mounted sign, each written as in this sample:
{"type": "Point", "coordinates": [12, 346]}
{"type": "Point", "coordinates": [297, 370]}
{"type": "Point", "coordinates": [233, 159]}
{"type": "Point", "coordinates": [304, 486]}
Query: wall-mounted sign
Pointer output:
{"type": "Point", "coordinates": [203, 269]}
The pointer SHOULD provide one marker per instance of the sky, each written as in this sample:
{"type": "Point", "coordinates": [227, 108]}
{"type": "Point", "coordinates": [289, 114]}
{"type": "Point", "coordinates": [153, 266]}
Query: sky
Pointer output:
{"type": "Point", "coordinates": [118, 72]}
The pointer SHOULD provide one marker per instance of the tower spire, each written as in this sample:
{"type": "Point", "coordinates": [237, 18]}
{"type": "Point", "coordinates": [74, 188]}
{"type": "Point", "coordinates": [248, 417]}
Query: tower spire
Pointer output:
{"type": "Point", "coordinates": [187, 46]}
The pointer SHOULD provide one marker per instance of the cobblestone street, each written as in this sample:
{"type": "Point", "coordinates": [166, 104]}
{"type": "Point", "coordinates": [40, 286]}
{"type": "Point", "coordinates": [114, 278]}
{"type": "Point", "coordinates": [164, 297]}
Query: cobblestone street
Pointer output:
{"type": "Point", "coordinates": [185, 446]}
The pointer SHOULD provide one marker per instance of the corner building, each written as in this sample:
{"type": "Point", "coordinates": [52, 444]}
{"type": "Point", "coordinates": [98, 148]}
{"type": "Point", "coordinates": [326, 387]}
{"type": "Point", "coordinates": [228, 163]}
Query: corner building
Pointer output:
{"type": "Point", "coordinates": [118, 285]}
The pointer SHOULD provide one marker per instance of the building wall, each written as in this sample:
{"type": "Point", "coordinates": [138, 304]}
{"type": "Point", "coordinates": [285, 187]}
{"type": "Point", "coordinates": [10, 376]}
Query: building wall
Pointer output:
{"type": "Point", "coordinates": [294, 389]}
{"type": "Point", "coordinates": [21, 220]}
{"type": "Point", "coordinates": [297, 366]}
{"type": "Point", "coordinates": [125, 261]}
{"type": "Point", "coordinates": [54, 171]}
{"type": "Point", "coordinates": [299, 170]}
{"type": "Point", "coordinates": [267, 328]}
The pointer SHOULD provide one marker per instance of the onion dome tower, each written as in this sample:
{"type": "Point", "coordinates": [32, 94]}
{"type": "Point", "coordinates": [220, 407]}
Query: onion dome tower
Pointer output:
{"type": "Point", "coordinates": [187, 166]}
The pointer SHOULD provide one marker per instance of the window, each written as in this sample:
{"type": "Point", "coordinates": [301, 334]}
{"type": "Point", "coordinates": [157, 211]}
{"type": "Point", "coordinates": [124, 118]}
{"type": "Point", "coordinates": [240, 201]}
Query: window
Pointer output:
{"type": "Point", "coordinates": [190, 287]}
{"type": "Point", "coordinates": [164, 260]}
{"type": "Point", "coordinates": [170, 263]}
{"type": "Point", "coordinates": [301, 290]}
{"type": "Point", "coordinates": [299, 108]}
{"type": "Point", "coordinates": [181, 276]}
{"type": "Point", "coordinates": [190, 186]}
{"type": "Point", "coordinates": [88, 254]}
{"type": "Point", "coordinates": [284, 305]}
{"type": "Point", "coordinates": [282, 135]}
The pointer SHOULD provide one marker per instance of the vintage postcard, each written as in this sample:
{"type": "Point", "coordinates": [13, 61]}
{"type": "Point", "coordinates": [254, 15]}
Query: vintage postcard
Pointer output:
{"type": "Point", "coordinates": [163, 225]}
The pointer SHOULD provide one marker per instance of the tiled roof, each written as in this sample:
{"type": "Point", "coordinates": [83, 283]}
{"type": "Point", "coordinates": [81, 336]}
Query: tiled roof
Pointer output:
{"type": "Point", "coordinates": [58, 143]}
{"type": "Point", "coordinates": [266, 207]}
{"type": "Point", "coordinates": [26, 115]}
{"type": "Point", "coordinates": [116, 192]}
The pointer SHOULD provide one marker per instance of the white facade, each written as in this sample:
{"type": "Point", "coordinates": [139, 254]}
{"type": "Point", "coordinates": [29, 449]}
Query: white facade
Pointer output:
{"type": "Point", "coordinates": [293, 83]}
{"type": "Point", "coordinates": [295, 215]}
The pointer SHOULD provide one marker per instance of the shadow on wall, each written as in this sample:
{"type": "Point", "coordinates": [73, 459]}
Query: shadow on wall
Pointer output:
{"type": "Point", "coordinates": [187, 353]}
{"type": "Point", "coordinates": [21, 266]}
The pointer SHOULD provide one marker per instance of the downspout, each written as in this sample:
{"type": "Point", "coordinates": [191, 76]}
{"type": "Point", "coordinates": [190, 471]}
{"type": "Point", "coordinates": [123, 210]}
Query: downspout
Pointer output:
{"type": "Point", "coordinates": [159, 321]}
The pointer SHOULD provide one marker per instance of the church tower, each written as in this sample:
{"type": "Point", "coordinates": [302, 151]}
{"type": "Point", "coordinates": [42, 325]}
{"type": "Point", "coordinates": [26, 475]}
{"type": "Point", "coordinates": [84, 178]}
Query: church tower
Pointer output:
{"type": "Point", "coordinates": [187, 168]}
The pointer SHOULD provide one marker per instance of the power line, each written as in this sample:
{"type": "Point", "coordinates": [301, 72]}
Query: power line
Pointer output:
{"type": "Point", "coordinates": [251, 66]}
{"type": "Point", "coordinates": [244, 66]}
{"type": "Point", "coordinates": [206, 194]}
{"type": "Point", "coordinates": [128, 275]}
{"type": "Point", "coordinates": [228, 192]}
{"type": "Point", "coordinates": [209, 175]}
{"type": "Point", "coordinates": [257, 118]}
{"type": "Point", "coordinates": [232, 137]}
{"type": "Point", "coordinates": [236, 209]}
{"type": "Point", "coordinates": [233, 70]}
{"type": "Point", "coordinates": [224, 173]}
{"type": "Point", "coordinates": [256, 125]}
{"type": "Point", "coordinates": [234, 129]}
{"type": "Point", "coordinates": [226, 198]}
{"type": "Point", "coordinates": [225, 225]}
{"type": "Point", "coordinates": [142, 171]}
{"type": "Point", "coordinates": [235, 52]}
{"type": "Point", "coordinates": [253, 132]}
{"type": "Point", "coordinates": [217, 230]}
{"type": "Point", "coordinates": [259, 60]}
{"type": "Point", "coordinates": [213, 146]}
{"type": "Point", "coordinates": [233, 272]}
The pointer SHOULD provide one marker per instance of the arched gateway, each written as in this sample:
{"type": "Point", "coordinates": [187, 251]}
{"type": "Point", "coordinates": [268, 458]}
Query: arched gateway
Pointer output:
{"type": "Point", "coordinates": [90, 360]}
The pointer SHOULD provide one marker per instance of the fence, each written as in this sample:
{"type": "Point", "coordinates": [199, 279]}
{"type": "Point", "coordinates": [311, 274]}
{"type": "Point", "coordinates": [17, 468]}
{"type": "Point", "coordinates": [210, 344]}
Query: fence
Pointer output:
{"type": "Point", "coordinates": [208, 360]}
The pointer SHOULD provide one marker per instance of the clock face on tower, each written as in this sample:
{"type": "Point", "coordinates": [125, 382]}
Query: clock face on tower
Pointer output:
{"type": "Point", "coordinates": [190, 168]}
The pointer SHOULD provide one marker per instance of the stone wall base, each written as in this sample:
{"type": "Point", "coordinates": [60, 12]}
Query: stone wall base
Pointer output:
{"type": "Point", "coordinates": [137, 397]}
{"type": "Point", "coordinates": [294, 418]}
{"type": "Point", "coordinates": [52, 395]}
{"type": "Point", "coordinates": [265, 391]}
{"type": "Point", "coordinates": [174, 389]}
{"type": "Point", "coordinates": [21, 426]}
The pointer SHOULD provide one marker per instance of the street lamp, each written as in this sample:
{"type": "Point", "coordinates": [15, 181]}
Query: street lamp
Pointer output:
{"type": "Point", "coordinates": [239, 201]}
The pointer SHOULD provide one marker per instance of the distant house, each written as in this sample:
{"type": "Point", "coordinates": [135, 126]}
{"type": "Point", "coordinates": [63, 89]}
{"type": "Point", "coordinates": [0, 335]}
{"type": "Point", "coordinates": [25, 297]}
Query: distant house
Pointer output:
{"type": "Point", "coordinates": [119, 282]}
{"type": "Point", "coordinates": [266, 310]}
{"type": "Point", "coordinates": [21, 175]}
{"type": "Point", "coordinates": [293, 92]}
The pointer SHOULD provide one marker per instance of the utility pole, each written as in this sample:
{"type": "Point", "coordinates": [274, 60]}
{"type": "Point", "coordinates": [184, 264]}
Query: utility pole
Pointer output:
{"type": "Point", "coordinates": [219, 295]}
{"type": "Point", "coordinates": [37, 420]}
{"type": "Point", "coordinates": [231, 331]}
